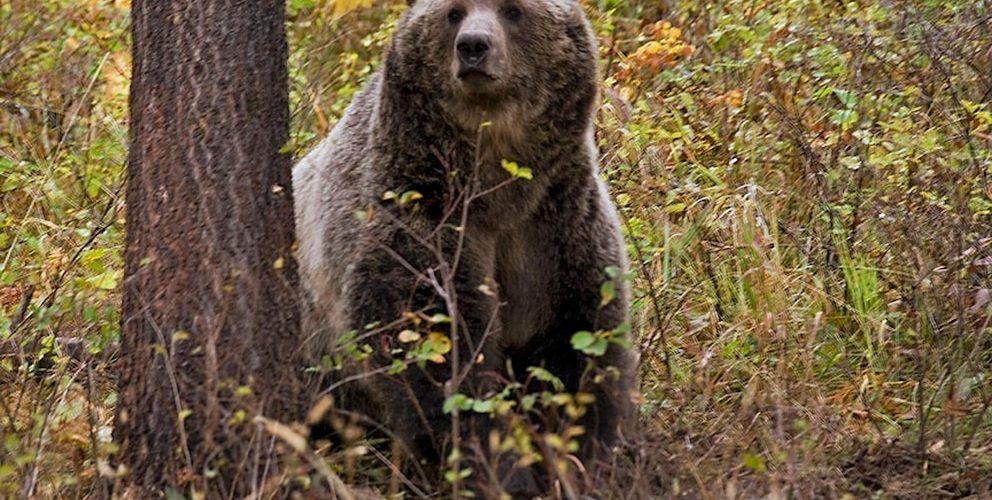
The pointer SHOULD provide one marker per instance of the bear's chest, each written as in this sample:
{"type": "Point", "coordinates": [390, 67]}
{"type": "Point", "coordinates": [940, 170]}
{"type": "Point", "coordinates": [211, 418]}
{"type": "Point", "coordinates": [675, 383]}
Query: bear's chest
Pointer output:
{"type": "Point", "coordinates": [526, 263]}
{"type": "Point", "coordinates": [503, 140]}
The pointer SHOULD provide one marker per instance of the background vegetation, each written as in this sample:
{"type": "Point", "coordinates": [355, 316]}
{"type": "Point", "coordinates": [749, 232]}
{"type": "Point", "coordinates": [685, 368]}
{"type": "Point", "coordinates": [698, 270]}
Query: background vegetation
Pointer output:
{"type": "Point", "coordinates": [806, 194]}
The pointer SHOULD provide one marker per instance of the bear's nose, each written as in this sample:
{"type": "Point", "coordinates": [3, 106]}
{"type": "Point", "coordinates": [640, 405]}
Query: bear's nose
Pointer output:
{"type": "Point", "coordinates": [472, 48]}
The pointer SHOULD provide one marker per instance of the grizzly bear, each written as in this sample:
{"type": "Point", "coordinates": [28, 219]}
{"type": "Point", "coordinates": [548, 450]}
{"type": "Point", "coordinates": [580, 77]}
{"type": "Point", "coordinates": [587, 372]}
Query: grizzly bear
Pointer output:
{"type": "Point", "coordinates": [463, 180]}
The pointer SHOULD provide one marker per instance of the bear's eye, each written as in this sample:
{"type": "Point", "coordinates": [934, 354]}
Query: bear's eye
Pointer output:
{"type": "Point", "coordinates": [455, 15]}
{"type": "Point", "coordinates": [512, 13]}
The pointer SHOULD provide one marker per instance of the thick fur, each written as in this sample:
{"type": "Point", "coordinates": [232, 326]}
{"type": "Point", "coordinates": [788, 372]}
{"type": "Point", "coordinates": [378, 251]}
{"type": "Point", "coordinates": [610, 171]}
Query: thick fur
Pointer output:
{"type": "Point", "coordinates": [545, 243]}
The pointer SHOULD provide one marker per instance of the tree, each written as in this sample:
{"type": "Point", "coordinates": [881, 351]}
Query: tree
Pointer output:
{"type": "Point", "coordinates": [210, 316]}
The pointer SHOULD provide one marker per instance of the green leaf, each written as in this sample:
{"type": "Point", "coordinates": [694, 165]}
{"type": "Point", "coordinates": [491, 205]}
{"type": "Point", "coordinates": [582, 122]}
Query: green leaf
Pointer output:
{"type": "Point", "coordinates": [483, 406]}
{"type": "Point", "coordinates": [847, 98]}
{"type": "Point", "coordinates": [397, 367]}
{"type": "Point", "coordinates": [598, 348]}
{"type": "Point", "coordinates": [754, 462]}
{"type": "Point", "coordinates": [546, 376]}
{"type": "Point", "coordinates": [459, 401]}
{"type": "Point", "coordinates": [410, 196]}
{"type": "Point", "coordinates": [607, 292]}
{"type": "Point", "coordinates": [439, 318]}
{"type": "Point", "coordinates": [528, 402]}
{"type": "Point", "coordinates": [173, 494]}
{"type": "Point", "coordinates": [450, 476]}
{"type": "Point", "coordinates": [104, 281]}
{"type": "Point", "coordinates": [613, 272]}
{"type": "Point", "coordinates": [843, 117]}
{"type": "Point", "coordinates": [93, 186]}
{"type": "Point", "coordinates": [582, 340]}
{"type": "Point", "coordinates": [622, 329]}
{"type": "Point", "coordinates": [300, 4]}
{"type": "Point", "coordinates": [589, 343]}
{"type": "Point", "coordinates": [92, 256]}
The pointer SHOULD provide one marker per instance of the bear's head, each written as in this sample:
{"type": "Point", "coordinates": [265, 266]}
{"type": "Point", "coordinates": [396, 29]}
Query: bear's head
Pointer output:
{"type": "Point", "coordinates": [495, 60]}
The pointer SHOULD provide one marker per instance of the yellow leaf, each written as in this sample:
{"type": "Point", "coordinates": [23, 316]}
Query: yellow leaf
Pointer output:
{"type": "Point", "coordinates": [511, 167]}
{"type": "Point", "coordinates": [341, 7]}
{"type": "Point", "coordinates": [440, 342]}
{"type": "Point", "coordinates": [407, 336]}
{"type": "Point", "coordinates": [295, 440]}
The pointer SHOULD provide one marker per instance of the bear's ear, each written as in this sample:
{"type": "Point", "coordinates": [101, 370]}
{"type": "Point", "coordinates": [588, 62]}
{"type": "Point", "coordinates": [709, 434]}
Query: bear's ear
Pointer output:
{"type": "Point", "coordinates": [409, 3]}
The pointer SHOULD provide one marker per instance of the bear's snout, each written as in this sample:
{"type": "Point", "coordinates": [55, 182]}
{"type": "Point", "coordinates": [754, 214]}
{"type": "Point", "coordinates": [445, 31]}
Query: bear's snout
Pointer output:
{"type": "Point", "coordinates": [472, 49]}
{"type": "Point", "coordinates": [478, 49]}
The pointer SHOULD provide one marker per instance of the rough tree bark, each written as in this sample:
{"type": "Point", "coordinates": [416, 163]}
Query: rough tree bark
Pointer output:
{"type": "Point", "coordinates": [211, 321]}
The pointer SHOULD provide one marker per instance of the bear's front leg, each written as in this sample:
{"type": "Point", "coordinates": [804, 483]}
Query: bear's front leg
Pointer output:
{"type": "Point", "coordinates": [401, 286]}
{"type": "Point", "coordinates": [590, 253]}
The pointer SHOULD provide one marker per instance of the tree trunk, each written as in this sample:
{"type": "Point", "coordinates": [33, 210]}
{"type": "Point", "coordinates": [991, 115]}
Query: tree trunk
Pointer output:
{"type": "Point", "coordinates": [211, 320]}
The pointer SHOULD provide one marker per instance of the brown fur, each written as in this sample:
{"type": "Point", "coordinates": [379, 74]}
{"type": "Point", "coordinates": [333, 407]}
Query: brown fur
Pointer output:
{"type": "Point", "coordinates": [545, 242]}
